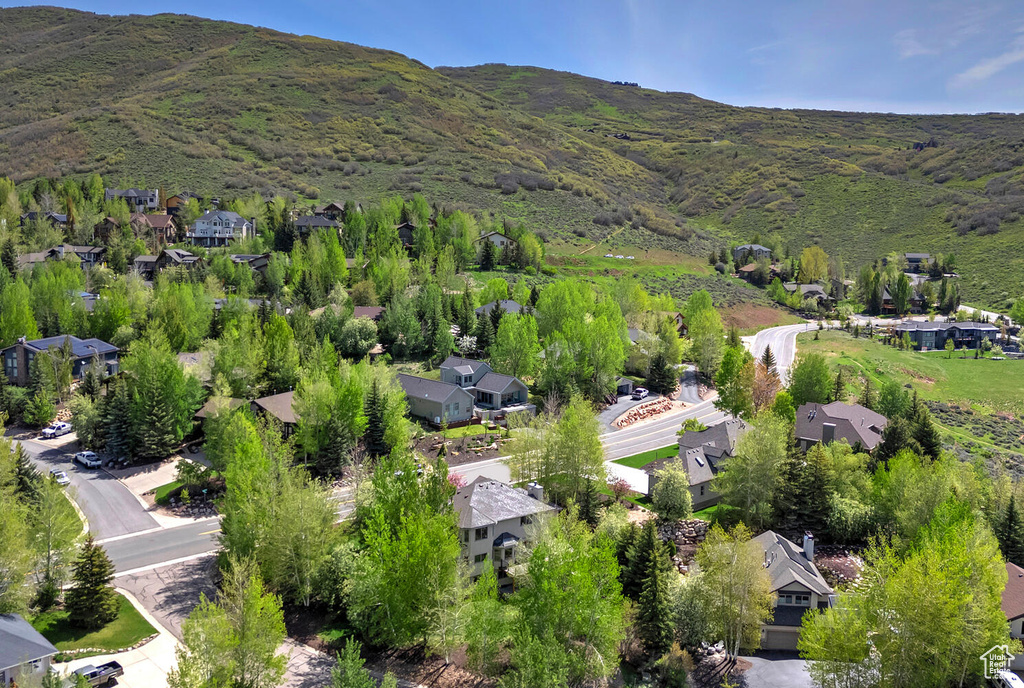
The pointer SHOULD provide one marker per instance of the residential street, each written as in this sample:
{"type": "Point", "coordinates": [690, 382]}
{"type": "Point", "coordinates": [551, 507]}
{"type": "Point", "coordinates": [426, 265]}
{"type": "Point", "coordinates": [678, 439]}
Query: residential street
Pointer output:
{"type": "Point", "coordinates": [164, 545]}
{"type": "Point", "coordinates": [783, 343]}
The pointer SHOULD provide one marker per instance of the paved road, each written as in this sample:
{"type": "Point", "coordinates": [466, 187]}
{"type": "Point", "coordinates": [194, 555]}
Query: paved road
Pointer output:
{"type": "Point", "coordinates": [109, 506]}
{"type": "Point", "coordinates": [141, 550]}
{"type": "Point", "coordinates": [777, 670]}
{"type": "Point", "coordinates": [783, 343]}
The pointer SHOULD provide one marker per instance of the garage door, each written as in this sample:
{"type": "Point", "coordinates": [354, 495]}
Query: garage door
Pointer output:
{"type": "Point", "coordinates": [779, 638]}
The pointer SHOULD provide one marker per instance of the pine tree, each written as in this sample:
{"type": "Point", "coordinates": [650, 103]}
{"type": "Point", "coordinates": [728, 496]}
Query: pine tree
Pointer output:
{"type": "Point", "coordinates": [496, 314]}
{"type": "Point", "coordinates": [155, 436]}
{"type": "Point", "coordinates": [768, 359]}
{"type": "Point", "coordinates": [117, 421]}
{"type": "Point", "coordinates": [484, 333]}
{"type": "Point", "coordinates": [661, 378]}
{"type": "Point", "coordinates": [487, 256]}
{"type": "Point", "coordinates": [92, 602]}
{"type": "Point", "coordinates": [867, 397]}
{"type": "Point", "coordinates": [839, 388]}
{"type": "Point", "coordinates": [1011, 534]}
{"type": "Point", "coordinates": [588, 504]}
{"type": "Point", "coordinates": [26, 475]}
{"type": "Point", "coordinates": [645, 552]}
{"type": "Point", "coordinates": [374, 409]}
{"type": "Point", "coordinates": [9, 257]}
{"type": "Point", "coordinates": [654, 615]}
{"type": "Point", "coordinates": [925, 433]}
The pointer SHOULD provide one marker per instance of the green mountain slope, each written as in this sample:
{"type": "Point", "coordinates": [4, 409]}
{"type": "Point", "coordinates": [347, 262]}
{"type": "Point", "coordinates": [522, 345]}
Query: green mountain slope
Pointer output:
{"type": "Point", "coordinates": [217, 107]}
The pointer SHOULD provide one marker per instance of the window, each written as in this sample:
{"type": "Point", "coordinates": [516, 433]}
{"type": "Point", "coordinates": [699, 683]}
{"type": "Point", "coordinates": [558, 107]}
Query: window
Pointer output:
{"type": "Point", "coordinates": [481, 533]}
{"type": "Point", "coordinates": [479, 558]}
{"type": "Point", "coordinates": [465, 536]}
{"type": "Point", "coordinates": [794, 600]}
{"type": "Point", "coordinates": [525, 520]}
{"type": "Point", "coordinates": [701, 490]}
{"type": "Point", "coordinates": [456, 407]}
{"type": "Point", "coordinates": [11, 363]}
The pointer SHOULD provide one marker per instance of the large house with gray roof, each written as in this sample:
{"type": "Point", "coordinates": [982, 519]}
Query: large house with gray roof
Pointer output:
{"type": "Point", "coordinates": [18, 357]}
{"type": "Point", "coordinates": [755, 251]}
{"type": "Point", "coordinates": [494, 519]}
{"type": "Point", "coordinates": [436, 401]}
{"type": "Point", "coordinates": [466, 385]}
{"type": "Point", "coordinates": [703, 454]}
{"type": "Point", "coordinates": [25, 655]}
{"type": "Point", "coordinates": [797, 584]}
{"type": "Point", "coordinates": [219, 228]}
{"type": "Point", "coordinates": [506, 306]}
{"type": "Point", "coordinates": [138, 200]}
{"type": "Point", "coordinates": [933, 335]}
{"type": "Point", "coordinates": [827, 423]}
{"type": "Point", "coordinates": [491, 390]}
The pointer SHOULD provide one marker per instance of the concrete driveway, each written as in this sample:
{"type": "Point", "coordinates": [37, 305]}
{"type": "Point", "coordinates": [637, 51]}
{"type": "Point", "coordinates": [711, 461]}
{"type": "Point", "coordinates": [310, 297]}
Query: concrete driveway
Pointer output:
{"type": "Point", "coordinates": [608, 415]}
{"type": "Point", "coordinates": [777, 670]}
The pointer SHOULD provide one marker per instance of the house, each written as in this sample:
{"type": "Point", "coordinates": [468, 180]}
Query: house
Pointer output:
{"type": "Point", "coordinates": [746, 272]}
{"type": "Point", "coordinates": [214, 405]}
{"type": "Point", "coordinates": [499, 240]}
{"type": "Point", "coordinates": [177, 202]}
{"type": "Point", "coordinates": [332, 211]}
{"type": "Point", "coordinates": [917, 261]}
{"type": "Point", "coordinates": [703, 454]}
{"type": "Point", "coordinates": [25, 655]}
{"type": "Point", "coordinates": [149, 266]}
{"type": "Point", "coordinates": [464, 372]}
{"type": "Point", "coordinates": [161, 225]}
{"type": "Point", "coordinates": [56, 220]}
{"type": "Point", "coordinates": [827, 423]}
{"type": "Point", "coordinates": [308, 224]}
{"type": "Point", "coordinates": [436, 401]}
{"type": "Point", "coordinates": [494, 519]}
{"type": "Point", "coordinates": [797, 584]}
{"type": "Point", "coordinates": [809, 291]}
{"type": "Point", "coordinates": [679, 319]}
{"type": "Point", "coordinates": [374, 313]}
{"type": "Point", "coordinates": [933, 335]}
{"type": "Point", "coordinates": [256, 262]}
{"type": "Point", "coordinates": [88, 256]}
{"type": "Point", "coordinates": [138, 200]}
{"type": "Point", "coordinates": [406, 232]}
{"type": "Point", "coordinates": [754, 251]}
{"type": "Point", "coordinates": [18, 357]}
{"type": "Point", "coordinates": [1013, 607]}
{"type": "Point", "coordinates": [104, 229]}
{"type": "Point", "coordinates": [219, 228]}
{"type": "Point", "coordinates": [492, 391]}
{"type": "Point", "coordinates": [506, 305]}
{"type": "Point", "coordinates": [278, 406]}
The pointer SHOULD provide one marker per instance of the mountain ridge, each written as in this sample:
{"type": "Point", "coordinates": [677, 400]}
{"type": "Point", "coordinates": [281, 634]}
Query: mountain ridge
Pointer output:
{"type": "Point", "coordinates": [185, 102]}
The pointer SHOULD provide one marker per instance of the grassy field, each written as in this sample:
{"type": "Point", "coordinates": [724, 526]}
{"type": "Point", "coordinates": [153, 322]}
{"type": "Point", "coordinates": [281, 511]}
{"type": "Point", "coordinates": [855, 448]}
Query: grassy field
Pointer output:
{"type": "Point", "coordinates": [643, 458]}
{"type": "Point", "coordinates": [127, 629]}
{"type": "Point", "coordinates": [980, 398]}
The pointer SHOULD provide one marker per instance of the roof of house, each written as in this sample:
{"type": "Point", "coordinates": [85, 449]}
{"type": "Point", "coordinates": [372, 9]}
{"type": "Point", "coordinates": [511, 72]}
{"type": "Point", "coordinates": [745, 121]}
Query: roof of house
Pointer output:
{"type": "Point", "coordinates": [179, 255]}
{"type": "Point", "coordinates": [70, 248]}
{"type": "Point", "coordinates": [752, 247]}
{"type": "Point", "coordinates": [635, 335]}
{"type": "Point", "coordinates": [917, 256]}
{"type": "Point", "coordinates": [234, 218]}
{"type": "Point", "coordinates": [314, 221]}
{"type": "Point", "coordinates": [485, 502]}
{"type": "Point", "coordinates": [507, 305]}
{"type": "Point", "coordinates": [702, 451]}
{"type": "Point", "coordinates": [80, 348]}
{"type": "Point", "coordinates": [853, 422]}
{"type": "Point", "coordinates": [749, 267]}
{"type": "Point", "coordinates": [1013, 593]}
{"type": "Point", "coordinates": [27, 259]}
{"type": "Point", "coordinates": [160, 221]}
{"type": "Point", "coordinates": [216, 404]}
{"type": "Point", "coordinates": [495, 382]}
{"type": "Point", "coordinates": [186, 195]}
{"type": "Point", "coordinates": [279, 406]}
{"type": "Point", "coordinates": [495, 232]}
{"type": "Point", "coordinates": [787, 564]}
{"type": "Point", "coordinates": [431, 390]}
{"type": "Point", "coordinates": [917, 325]}
{"type": "Point", "coordinates": [132, 193]}
{"type": "Point", "coordinates": [371, 312]}
{"type": "Point", "coordinates": [465, 366]}
{"type": "Point", "coordinates": [20, 643]}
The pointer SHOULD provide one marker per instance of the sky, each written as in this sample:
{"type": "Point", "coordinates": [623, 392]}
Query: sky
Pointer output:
{"type": "Point", "coordinates": [907, 56]}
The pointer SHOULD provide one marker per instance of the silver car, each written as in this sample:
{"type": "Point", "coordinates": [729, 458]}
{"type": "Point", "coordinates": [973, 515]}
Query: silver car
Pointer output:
{"type": "Point", "coordinates": [60, 477]}
{"type": "Point", "coordinates": [56, 430]}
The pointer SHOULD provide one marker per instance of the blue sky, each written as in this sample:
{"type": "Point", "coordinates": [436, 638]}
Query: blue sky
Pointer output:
{"type": "Point", "coordinates": [892, 56]}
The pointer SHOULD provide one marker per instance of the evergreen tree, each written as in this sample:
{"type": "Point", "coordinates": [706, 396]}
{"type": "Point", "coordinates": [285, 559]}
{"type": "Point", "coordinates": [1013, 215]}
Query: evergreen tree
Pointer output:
{"type": "Point", "coordinates": [26, 476]}
{"type": "Point", "coordinates": [654, 614]}
{"type": "Point", "coordinates": [9, 257]}
{"type": "Point", "coordinates": [488, 258]}
{"type": "Point", "coordinates": [867, 397]}
{"type": "Point", "coordinates": [661, 378]}
{"type": "Point", "coordinates": [484, 333]}
{"type": "Point", "coordinates": [768, 359]}
{"type": "Point", "coordinates": [496, 314]}
{"type": "Point", "coordinates": [588, 504]}
{"type": "Point", "coordinates": [895, 438]}
{"type": "Point", "coordinates": [92, 602]}
{"type": "Point", "coordinates": [647, 551]}
{"type": "Point", "coordinates": [839, 387]}
{"type": "Point", "coordinates": [374, 410]}
{"type": "Point", "coordinates": [154, 425]}
{"type": "Point", "coordinates": [117, 421]}
{"type": "Point", "coordinates": [925, 433]}
{"type": "Point", "coordinates": [1011, 534]}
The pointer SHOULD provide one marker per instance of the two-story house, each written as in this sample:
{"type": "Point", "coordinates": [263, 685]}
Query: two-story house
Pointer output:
{"type": "Point", "coordinates": [797, 584]}
{"type": "Point", "coordinates": [754, 251]}
{"type": "Point", "coordinates": [499, 240]}
{"type": "Point", "coordinates": [138, 200]}
{"type": "Point", "coordinates": [494, 520]}
{"type": "Point", "coordinates": [828, 423]}
{"type": "Point", "coordinates": [491, 390]}
{"type": "Point", "coordinates": [219, 228]}
{"type": "Point", "coordinates": [436, 401]}
{"type": "Point", "coordinates": [308, 224]}
{"type": "Point", "coordinates": [19, 356]}
{"type": "Point", "coordinates": [703, 454]}
{"type": "Point", "coordinates": [933, 335]}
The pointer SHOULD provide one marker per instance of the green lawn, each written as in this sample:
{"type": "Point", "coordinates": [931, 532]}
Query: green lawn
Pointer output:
{"type": "Point", "coordinates": [127, 629]}
{"type": "Point", "coordinates": [643, 458]}
{"type": "Point", "coordinates": [162, 493]}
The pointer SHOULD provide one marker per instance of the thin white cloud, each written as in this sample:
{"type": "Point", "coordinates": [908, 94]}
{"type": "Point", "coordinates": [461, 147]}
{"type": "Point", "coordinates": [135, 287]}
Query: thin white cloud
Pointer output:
{"type": "Point", "coordinates": [909, 45]}
{"type": "Point", "coordinates": [986, 69]}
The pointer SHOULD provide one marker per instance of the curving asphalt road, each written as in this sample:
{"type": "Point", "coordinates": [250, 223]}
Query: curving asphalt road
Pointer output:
{"type": "Point", "coordinates": [783, 343]}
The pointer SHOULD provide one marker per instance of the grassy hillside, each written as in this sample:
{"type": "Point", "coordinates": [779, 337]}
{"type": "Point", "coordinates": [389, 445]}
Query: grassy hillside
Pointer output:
{"type": "Point", "coordinates": [217, 107]}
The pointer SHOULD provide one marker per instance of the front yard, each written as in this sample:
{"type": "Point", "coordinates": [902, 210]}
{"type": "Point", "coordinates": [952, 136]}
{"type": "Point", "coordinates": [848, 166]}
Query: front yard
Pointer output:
{"type": "Point", "coordinates": [126, 630]}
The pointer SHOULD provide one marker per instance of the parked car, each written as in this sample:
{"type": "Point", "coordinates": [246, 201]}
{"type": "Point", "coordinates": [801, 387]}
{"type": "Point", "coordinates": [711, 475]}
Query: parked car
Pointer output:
{"type": "Point", "coordinates": [60, 476]}
{"type": "Point", "coordinates": [56, 430]}
{"type": "Point", "coordinates": [620, 257]}
{"type": "Point", "coordinates": [640, 393]}
{"type": "Point", "coordinates": [100, 675]}
{"type": "Point", "coordinates": [608, 255]}
{"type": "Point", "coordinates": [630, 258]}
{"type": "Point", "coordinates": [88, 459]}
{"type": "Point", "coordinates": [1007, 679]}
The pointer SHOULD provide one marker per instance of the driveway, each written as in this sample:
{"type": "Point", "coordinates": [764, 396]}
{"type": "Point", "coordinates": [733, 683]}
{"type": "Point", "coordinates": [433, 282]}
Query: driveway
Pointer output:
{"type": "Point", "coordinates": [777, 670]}
{"type": "Point", "coordinates": [607, 417]}
{"type": "Point", "coordinates": [109, 506]}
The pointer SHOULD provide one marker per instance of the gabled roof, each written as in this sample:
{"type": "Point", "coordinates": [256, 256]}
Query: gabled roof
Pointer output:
{"type": "Point", "coordinates": [917, 256]}
{"type": "Point", "coordinates": [132, 193]}
{"type": "Point", "coordinates": [80, 348]}
{"type": "Point", "coordinates": [234, 218]}
{"type": "Point", "coordinates": [495, 382]}
{"type": "Point", "coordinates": [215, 404]}
{"type": "Point", "coordinates": [787, 564]}
{"type": "Point", "coordinates": [702, 452]}
{"type": "Point", "coordinates": [853, 422]}
{"type": "Point", "coordinates": [1013, 593]}
{"type": "Point", "coordinates": [279, 406]}
{"type": "Point", "coordinates": [431, 390]}
{"type": "Point", "coordinates": [507, 305]}
{"type": "Point", "coordinates": [486, 502]}
{"type": "Point", "coordinates": [465, 366]}
{"type": "Point", "coordinates": [752, 247]}
{"type": "Point", "coordinates": [316, 221]}
{"type": "Point", "coordinates": [20, 643]}
{"type": "Point", "coordinates": [493, 233]}
{"type": "Point", "coordinates": [371, 312]}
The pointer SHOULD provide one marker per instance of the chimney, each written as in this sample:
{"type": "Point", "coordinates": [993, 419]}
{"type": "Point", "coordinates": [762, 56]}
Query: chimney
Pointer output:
{"type": "Point", "coordinates": [535, 490]}
{"type": "Point", "coordinates": [809, 546]}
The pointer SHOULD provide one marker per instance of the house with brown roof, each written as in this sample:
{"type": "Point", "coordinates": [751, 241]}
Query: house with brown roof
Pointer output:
{"type": "Point", "coordinates": [333, 211]}
{"type": "Point", "coordinates": [105, 228]}
{"type": "Point", "coordinates": [1013, 599]}
{"type": "Point", "coordinates": [177, 202]}
{"type": "Point", "coordinates": [161, 226]}
{"type": "Point", "coordinates": [827, 423]}
{"type": "Point", "coordinates": [278, 406]}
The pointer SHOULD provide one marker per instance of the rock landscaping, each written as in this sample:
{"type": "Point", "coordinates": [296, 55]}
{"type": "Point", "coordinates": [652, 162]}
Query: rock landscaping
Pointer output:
{"type": "Point", "coordinates": [643, 412]}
